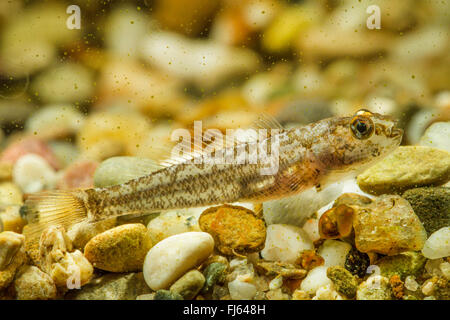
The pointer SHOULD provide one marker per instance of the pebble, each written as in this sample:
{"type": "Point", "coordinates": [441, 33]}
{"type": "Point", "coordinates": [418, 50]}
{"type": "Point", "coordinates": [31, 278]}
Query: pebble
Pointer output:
{"type": "Point", "coordinates": [214, 273]}
{"type": "Point", "coordinates": [185, 58]}
{"type": "Point", "coordinates": [54, 121]}
{"type": "Point", "coordinates": [437, 136]}
{"type": "Point", "coordinates": [121, 249]}
{"type": "Point", "coordinates": [315, 279]}
{"type": "Point", "coordinates": [376, 287]}
{"type": "Point", "coordinates": [300, 295]}
{"type": "Point", "coordinates": [171, 223]}
{"type": "Point", "coordinates": [438, 244]}
{"type": "Point", "coordinates": [295, 210]}
{"type": "Point", "coordinates": [276, 294]}
{"type": "Point", "coordinates": [344, 282]}
{"type": "Point", "coordinates": [28, 145]}
{"type": "Point", "coordinates": [10, 193]}
{"type": "Point", "coordinates": [7, 274]}
{"type": "Point", "coordinates": [29, 43]}
{"type": "Point", "coordinates": [173, 256]}
{"type": "Point", "coordinates": [235, 229]}
{"type": "Point", "coordinates": [432, 267]}
{"type": "Point", "coordinates": [112, 286]}
{"type": "Point", "coordinates": [78, 175]}
{"type": "Point", "coordinates": [33, 284]}
{"type": "Point", "coordinates": [189, 285]}
{"type": "Point", "coordinates": [309, 259]}
{"type": "Point", "coordinates": [431, 205]}
{"type": "Point", "coordinates": [117, 170]}
{"type": "Point", "coordinates": [357, 263]}
{"type": "Point", "coordinates": [276, 283]}
{"type": "Point", "coordinates": [327, 293]}
{"type": "Point", "coordinates": [442, 289]}
{"type": "Point", "coordinates": [407, 167]}
{"type": "Point", "coordinates": [62, 83]}
{"type": "Point", "coordinates": [311, 227]}
{"type": "Point", "coordinates": [388, 226]}
{"type": "Point", "coordinates": [411, 283]}
{"type": "Point", "coordinates": [11, 219]}
{"type": "Point", "coordinates": [66, 267]}
{"type": "Point", "coordinates": [404, 264]}
{"type": "Point", "coordinates": [82, 232]}
{"type": "Point", "coordinates": [102, 129]}
{"type": "Point", "coordinates": [65, 152]}
{"type": "Point", "coordinates": [334, 252]}
{"type": "Point", "coordinates": [10, 244]}
{"type": "Point", "coordinates": [241, 290]}
{"type": "Point", "coordinates": [32, 173]}
{"type": "Point", "coordinates": [167, 295]}
{"type": "Point", "coordinates": [336, 222]}
{"type": "Point", "coordinates": [284, 243]}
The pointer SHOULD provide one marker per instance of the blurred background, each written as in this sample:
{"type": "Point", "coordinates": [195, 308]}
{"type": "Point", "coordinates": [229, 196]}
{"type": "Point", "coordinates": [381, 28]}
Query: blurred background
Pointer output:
{"type": "Point", "coordinates": [137, 70]}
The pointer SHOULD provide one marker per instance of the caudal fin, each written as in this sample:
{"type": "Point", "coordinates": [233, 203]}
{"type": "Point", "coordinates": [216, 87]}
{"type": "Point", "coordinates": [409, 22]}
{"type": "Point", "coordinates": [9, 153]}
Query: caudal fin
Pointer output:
{"type": "Point", "coordinates": [53, 208]}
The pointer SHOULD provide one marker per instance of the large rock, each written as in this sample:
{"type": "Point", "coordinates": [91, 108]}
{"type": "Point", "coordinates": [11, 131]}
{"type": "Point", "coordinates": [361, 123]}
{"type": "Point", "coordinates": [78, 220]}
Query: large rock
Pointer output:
{"type": "Point", "coordinates": [407, 167]}
{"type": "Point", "coordinates": [121, 249]}
{"type": "Point", "coordinates": [388, 226]}
{"type": "Point", "coordinates": [404, 264]}
{"type": "Point", "coordinates": [57, 258]}
{"type": "Point", "coordinates": [431, 205]}
{"type": "Point", "coordinates": [234, 229]}
{"type": "Point", "coordinates": [33, 284]}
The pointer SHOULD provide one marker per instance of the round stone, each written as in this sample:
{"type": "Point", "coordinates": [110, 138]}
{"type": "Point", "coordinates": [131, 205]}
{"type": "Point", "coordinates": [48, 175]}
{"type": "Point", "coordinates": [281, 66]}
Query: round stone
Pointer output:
{"type": "Point", "coordinates": [172, 257]}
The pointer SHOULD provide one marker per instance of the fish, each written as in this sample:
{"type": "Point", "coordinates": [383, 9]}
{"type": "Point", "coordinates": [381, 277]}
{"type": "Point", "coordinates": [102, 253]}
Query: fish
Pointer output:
{"type": "Point", "coordinates": [313, 155]}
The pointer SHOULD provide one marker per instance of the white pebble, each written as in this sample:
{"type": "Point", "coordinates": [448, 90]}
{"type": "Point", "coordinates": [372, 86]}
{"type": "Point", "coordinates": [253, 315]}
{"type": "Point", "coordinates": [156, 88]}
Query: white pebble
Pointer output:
{"type": "Point", "coordinates": [437, 136]}
{"type": "Point", "coordinates": [411, 283]}
{"type": "Point", "coordinates": [284, 243]}
{"type": "Point", "coordinates": [327, 293]}
{"type": "Point", "coordinates": [311, 227]}
{"type": "Point", "coordinates": [276, 283]}
{"type": "Point", "coordinates": [172, 257]}
{"type": "Point", "coordinates": [334, 252]}
{"type": "Point", "coordinates": [315, 279]}
{"type": "Point", "coordinates": [33, 174]}
{"type": "Point", "coordinates": [438, 244]}
{"type": "Point", "coordinates": [428, 287]}
{"type": "Point", "coordinates": [169, 224]}
{"type": "Point", "coordinates": [240, 290]}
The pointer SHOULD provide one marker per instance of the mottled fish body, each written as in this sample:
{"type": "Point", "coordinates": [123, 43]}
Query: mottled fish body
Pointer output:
{"type": "Point", "coordinates": [313, 155]}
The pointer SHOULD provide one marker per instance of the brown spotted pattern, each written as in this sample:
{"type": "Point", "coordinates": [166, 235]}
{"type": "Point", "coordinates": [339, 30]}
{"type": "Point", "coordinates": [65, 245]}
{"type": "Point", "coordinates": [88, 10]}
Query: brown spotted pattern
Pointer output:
{"type": "Point", "coordinates": [313, 155]}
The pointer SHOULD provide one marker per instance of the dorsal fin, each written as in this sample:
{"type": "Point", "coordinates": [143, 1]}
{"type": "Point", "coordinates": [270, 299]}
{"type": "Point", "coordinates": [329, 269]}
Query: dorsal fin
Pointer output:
{"type": "Point", "coordinates": [266, 121]}
{"type": "Point", "coordinates": [187, 150]}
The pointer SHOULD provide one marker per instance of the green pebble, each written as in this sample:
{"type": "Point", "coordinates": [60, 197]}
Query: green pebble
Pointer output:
{"type": "Point", "coordinates": [431, 205]}
{"type": "Point", "coordinates": [404, 264]}
{"type": "Point", "coordinates": [189, 285]}
{"type": "Point", "coordinates": [214, 273]}
{"type": "Point", "coordinates": [344, 282]}
{"type": "Point", "coordinates": [167, 295]}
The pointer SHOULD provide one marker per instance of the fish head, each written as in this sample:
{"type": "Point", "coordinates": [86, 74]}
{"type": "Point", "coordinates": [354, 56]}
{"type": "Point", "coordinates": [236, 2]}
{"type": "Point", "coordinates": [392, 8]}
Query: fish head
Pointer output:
{"type": "Point", "coordinates": [359, 141]}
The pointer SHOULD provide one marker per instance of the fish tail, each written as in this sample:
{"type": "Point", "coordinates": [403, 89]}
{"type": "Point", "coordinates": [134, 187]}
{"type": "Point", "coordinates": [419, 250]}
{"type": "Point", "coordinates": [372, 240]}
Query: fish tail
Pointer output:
{"type": "Point", "coordinates": [52, 208]}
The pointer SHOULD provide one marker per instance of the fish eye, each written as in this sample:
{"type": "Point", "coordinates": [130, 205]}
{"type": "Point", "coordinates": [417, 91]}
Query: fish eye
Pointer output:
{"type": "Point", "coordinates": [362, 127]}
